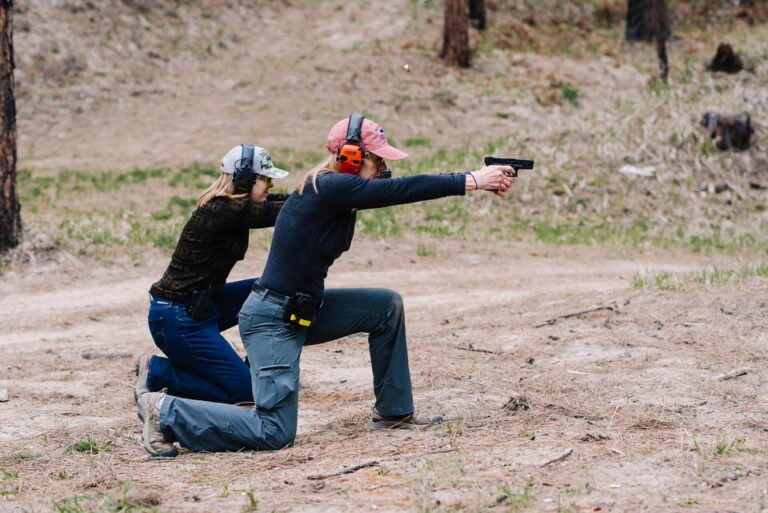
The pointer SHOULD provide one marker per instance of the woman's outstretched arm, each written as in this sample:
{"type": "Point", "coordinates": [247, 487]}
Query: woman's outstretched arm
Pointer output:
{"type": "Point", "coordinates": [350, 191]}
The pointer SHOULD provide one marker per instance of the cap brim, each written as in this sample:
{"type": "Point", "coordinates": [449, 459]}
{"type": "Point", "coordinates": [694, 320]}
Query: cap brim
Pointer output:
{"type": "Point", "coordinates": [273, 172]}
{"type": "Point", "coordinates": [389, 153]}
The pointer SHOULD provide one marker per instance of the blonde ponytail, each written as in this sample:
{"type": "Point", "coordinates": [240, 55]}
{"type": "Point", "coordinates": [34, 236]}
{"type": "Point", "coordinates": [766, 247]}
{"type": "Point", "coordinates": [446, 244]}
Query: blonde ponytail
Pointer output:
{"type": "Point", "coordinates": [223, 187]}
{"type": "Point", "coordinates": [330, 165]}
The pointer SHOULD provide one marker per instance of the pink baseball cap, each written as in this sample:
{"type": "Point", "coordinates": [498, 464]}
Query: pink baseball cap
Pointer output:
{"type": "Point", "coordinates": [373, 140]}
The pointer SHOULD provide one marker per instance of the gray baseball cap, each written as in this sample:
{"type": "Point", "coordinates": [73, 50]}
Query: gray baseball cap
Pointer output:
{"type": "Point", "coordinates": [262, 162]}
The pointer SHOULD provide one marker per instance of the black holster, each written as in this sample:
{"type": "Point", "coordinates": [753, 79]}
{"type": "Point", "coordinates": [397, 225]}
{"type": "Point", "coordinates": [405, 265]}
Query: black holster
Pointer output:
{"type": "Point", "coordinates": [200, 303]}
{"type": "Point", "coordinates": [301, 309]}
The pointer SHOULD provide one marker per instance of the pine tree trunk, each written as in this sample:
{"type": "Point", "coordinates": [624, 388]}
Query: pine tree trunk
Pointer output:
{"type": "Point", "coordinates": [477, 14]}
{"type": "Point", "coordinates": [647, 20]}
{"type": "Point", "coordinates": [456, 34]}
{"type": "Point", "coordinates": [10, 219]}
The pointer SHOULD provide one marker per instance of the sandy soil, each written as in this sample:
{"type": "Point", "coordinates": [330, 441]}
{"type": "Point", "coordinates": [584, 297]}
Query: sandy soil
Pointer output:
{"type": "Point", "coordinates": [631, 390]}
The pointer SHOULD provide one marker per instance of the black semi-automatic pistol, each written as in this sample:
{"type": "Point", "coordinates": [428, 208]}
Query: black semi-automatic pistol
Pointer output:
{"type": "Point", "coordinates": [516, 164]}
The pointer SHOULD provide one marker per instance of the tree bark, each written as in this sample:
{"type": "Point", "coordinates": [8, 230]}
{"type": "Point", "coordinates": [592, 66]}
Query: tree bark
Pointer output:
{"type": "Point", "coordinates": [10, 218]}
{"type": "Point", "coordinates": [456, 34]}
{"type": "Point", "coordinates": [477, 14]}
{"type": "Point", "coordinates": [647, 20]}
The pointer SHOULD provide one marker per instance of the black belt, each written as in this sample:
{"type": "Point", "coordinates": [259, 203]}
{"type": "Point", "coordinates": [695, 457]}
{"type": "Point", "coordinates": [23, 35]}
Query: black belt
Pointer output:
{"type": "Point", "coordinates": [182, 298]}
{"type": "Point", "coordinates": [270, 295]}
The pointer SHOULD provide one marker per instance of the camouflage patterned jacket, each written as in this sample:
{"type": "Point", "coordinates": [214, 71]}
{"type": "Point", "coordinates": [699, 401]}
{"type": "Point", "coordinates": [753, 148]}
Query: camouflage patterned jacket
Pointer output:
{"type": "Point", "coordinates": [212, 241]}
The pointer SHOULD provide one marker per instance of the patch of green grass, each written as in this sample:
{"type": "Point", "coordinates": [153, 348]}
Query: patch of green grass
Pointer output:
{"type": "Point", "coordinates": [426, 250]}
{"type": "Point", "coordinates": [452, 428]}
{"type": "Point", "coordinates": [96, 234]}
{"type": "Point", "coordinates": [667, 281]}
{"type": "Point", "coordinates": [88, 445]}
{"type": "Point", "coordinates": [639, 281]}
{"type": "Point", "coordinates": [515, 500]}
{"type": "Point", "coordinates": [9, 483]}
{"type": "Point", "coordinates": [417, 141]}
{"type": "Point", "coordinates": [26, 456]}
{"type": "Point", "coordinates": [36, 185]}
{"type": "Point", "coordinates": [198, 176]}
{"type": "Point", "coordinates": [101, 503]}
{"type": "Point", "coordinates": [252, 501]}
{"type": "Point", "coordinates": [570, 94]}
{"type": "Point", "coordinates": [380, 222]}
{"type": "Point", "coordinates": [710, 277]}
{"type": "Point", "coordinates": [719, 447]}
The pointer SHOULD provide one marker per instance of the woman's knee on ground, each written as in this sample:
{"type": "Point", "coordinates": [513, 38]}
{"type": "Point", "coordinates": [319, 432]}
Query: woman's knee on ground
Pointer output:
{"type": "Point", "coordinates": [282, 437]}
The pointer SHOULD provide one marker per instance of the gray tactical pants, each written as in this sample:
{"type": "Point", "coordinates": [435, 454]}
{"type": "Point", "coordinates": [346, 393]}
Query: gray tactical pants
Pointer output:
{"type": "Point", "coordinates": [274, 350]}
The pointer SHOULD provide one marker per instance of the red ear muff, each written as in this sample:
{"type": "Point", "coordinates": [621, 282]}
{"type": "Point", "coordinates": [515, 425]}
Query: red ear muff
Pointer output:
{"type": "Point", "coordinates": [350, 159]}
{"type": "Point", "coordinates": [351, 156]}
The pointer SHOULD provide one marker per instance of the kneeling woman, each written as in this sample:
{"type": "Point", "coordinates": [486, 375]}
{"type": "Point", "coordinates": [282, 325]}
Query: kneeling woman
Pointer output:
{"type": "Point", "coordinates": [192, 303]}
{"type": "Point", "coordinates": [289, 307]}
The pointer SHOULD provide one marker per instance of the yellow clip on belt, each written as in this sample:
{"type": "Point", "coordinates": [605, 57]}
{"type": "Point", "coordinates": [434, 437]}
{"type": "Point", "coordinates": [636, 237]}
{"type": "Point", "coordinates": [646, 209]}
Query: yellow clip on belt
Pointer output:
{"type": "Point", "coordinates": [302, 322]}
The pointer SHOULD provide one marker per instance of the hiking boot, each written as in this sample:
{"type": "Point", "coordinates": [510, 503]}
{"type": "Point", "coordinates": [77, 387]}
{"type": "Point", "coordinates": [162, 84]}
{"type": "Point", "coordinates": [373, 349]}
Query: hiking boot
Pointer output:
{"type": "Point", "coordinates": [152, 438]}
{"type": "Point", "coordinates": [142, 373]}
{"type": "Point", "coordinates": [141, 388]}
{"type": "Point", "coordinates": [412, 421]}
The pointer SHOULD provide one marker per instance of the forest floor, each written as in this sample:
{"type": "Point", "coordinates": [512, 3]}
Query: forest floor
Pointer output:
{"type": "Point", "coordinates": [631, 389]}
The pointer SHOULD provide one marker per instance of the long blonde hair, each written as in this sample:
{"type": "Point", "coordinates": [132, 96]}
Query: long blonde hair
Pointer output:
{"type": "Point", "coordinates": [223, 187]}
{"type": "Point", "coordinates": [330, 165]}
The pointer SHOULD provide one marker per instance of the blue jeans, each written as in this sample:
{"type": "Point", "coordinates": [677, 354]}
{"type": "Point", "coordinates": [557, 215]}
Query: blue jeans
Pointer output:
{"type": "Point", "coordinates": [200, 363]}
{"type": "Point", "coordinates": [274, 350]}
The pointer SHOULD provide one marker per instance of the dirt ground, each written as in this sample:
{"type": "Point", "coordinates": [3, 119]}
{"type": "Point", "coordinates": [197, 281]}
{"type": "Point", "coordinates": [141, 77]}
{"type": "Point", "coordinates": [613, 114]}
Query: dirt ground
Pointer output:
{"type": "Point", "coordinates": [632, 390]}
{"type": "Point", "coordinates": [565, 388]}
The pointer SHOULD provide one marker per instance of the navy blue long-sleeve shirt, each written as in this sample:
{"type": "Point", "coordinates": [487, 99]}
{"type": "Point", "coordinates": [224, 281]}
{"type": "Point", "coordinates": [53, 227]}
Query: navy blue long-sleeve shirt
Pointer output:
{"type": "Point", "coordinates": [314, 229]}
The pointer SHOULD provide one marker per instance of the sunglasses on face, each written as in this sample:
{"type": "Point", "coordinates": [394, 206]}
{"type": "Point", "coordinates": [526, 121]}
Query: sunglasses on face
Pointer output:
{"type": "Point", "coordinates": [374, 158]}
{"type": "Point", "coordinates": [266, 179]}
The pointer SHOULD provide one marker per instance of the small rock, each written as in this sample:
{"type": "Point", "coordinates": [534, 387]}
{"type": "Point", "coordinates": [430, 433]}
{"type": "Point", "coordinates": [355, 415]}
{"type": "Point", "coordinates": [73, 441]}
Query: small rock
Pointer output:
{"type": "Point", "coordinates": [637, 171]}
{"type": "Point", "coordinates": [3, 395]}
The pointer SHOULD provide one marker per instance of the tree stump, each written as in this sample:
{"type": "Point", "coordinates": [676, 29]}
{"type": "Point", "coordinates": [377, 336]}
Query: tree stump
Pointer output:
{"type": "Point", "coordinates": [726, 60]}
{"type": "Point", "coordinates": [729, 131]}
{"type": "Point", "coordinates": [10, 217]}
{"type": "Point", "coordinates": [456, 34]}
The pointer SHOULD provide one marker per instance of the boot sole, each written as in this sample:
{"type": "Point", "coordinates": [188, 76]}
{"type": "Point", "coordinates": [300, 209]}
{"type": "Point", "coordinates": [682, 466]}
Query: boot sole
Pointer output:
{"type": "Point", "coordinates": [389, 424]}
